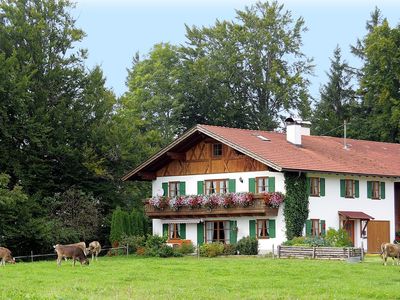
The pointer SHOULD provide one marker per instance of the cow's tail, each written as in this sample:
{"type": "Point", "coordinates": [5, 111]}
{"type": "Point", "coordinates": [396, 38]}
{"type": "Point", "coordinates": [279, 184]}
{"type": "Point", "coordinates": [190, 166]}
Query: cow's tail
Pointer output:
{"type": "Point", "coordinates": [382, 249]}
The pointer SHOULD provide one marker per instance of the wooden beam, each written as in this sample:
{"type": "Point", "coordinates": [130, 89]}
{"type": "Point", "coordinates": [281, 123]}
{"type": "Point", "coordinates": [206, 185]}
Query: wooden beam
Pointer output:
{"type": "Point", "coordinates": [147, 175]}
{"type": "Point", "coordinates": [177, 155]}
{"type": "Point", "coordinates": [210, 141]}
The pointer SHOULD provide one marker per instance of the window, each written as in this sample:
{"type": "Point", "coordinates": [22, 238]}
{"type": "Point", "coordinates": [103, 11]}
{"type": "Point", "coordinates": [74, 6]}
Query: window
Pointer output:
{"type": "Point", "coordinates": [174, 189]}
{"type": "Point", "coordinates": [262, 229]}
{"type": "Point", "coordinates": [349, 188]}
{"type": "Point", "coordinates": [217, 186]}
{"type": "Point", "coordinates": [315, 227]}
{"type": "Point", "coordinates": [375, 190]}
{"type": "Point", "coordinates": [174, 231]}
{"type": "Point", "coordinates": [217, 231]}
{"type": "Point", "coordinates": [216, 150]}
{"type": "Point", "coordinates": [314, 185]}
{"type": "Point", "coordinates": [262, 184]}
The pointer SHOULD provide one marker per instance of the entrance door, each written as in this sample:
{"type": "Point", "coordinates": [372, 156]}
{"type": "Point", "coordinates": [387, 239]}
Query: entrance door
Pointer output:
{"type": "Point", "coordinates": [349, 227]}
{"type": "Point", "coordinates": [378, 232]}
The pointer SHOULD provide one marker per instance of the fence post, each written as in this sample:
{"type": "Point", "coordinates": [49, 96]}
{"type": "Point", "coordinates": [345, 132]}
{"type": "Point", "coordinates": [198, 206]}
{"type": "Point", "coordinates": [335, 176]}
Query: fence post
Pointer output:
{"type": "Point", "coordinates": [127, 250]}
{"type": "Point", "coordinates": [273, 251]}
{"type": "Point", "coordinates": [313, 252]}
{"type": "Point", "coordinates": [32, 256]}
{"type": "Point", "coordinates": [348, 252]}
{"type": "Point", "coordinates": [279, 251]}
{"type": "Point", "coordinates": [362, 250]}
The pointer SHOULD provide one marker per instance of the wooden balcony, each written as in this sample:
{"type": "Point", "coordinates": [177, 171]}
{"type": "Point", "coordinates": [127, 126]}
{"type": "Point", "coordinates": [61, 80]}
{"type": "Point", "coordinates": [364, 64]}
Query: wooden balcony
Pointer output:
{"type": "Point", "coordinates": [257, 209]}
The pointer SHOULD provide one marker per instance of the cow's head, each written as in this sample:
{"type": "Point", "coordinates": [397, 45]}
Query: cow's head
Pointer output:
{"type": "Point", "coordinates": [84, 261]}
{"type": "Point", "coordinates": [12, 261]}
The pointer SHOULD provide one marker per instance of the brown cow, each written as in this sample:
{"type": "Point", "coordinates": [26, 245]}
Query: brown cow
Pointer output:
{"type": "Point", "coordinates": [94, 249]}
{"type": "Point", "coordinates": [6, 256]}
{"type": "Point", "coordinates": [81, 245]}
{"type": "Point", "coordinates": [74, 252]}
{"type": "Point", "coordinates": [390, 250]}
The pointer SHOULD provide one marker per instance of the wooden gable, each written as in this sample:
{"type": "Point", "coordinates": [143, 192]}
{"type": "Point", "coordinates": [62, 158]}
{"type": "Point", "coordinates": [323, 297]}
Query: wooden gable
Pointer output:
{"type": "Point", "coordinates": [199, 159]}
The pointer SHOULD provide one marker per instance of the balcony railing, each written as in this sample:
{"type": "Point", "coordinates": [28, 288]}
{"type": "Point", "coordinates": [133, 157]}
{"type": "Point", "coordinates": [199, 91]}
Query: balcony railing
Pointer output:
{"type": "Point", "coordinates": [258, 208]}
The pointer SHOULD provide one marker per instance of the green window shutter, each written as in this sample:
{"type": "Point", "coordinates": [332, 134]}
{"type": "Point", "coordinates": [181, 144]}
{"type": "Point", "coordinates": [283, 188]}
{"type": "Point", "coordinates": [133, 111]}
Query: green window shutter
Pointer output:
{"type": "Point", "coordinates": [182, 229]}
{"type": "Point", "coordinates": [342, 188]}
{"type": "Point", "coordinates": [322, 224]}
{"type": "Point", "coordinates": [165, 230]}
{"type": "Point", "coordinates": [271, 184]}
{"type": "Point", "coordinates": [369, 189]}
{"type": "Point", "coordinates": [308, 186]}
{"type": "Point", "coordinates": [200, 187]}
{"type": "Point", "coordinates": [252, 185]}
{"type": "Point", "coordinates": [308, 227]}
{"type": "Point", "coordinates": [382, 190]}
{"type": "Point", "coordinates": [252, 227]}
{"type": "Point", "coordinates": [322, 186]}
{"type": "Point", "coordinates": [182, 188]}
{"type": "Point", "coordinates": [165, 188]}
{"type": "Point", "coordinates": [232, 186]}
{"type": "Point", "coordinates": [233, 233]}
{"type": "Point", "coordinates": [200, 234]}
{"type": "Point", "coordinates": [271, 228]}
{"type": "Point", "coordinates": [357, 188]}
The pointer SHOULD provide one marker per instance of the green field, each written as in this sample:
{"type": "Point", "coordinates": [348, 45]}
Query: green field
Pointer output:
{"type": "Point", "coordinates": [193, 278]}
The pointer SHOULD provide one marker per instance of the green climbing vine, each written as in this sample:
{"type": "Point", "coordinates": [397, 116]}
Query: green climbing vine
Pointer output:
{"type": "Point", "coordinates": [296, 204]}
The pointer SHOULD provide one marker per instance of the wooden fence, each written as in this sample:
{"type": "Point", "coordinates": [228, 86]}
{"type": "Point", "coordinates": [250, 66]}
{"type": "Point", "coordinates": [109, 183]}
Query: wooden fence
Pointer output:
{"type": "Point", "coordinates": [319, 252]}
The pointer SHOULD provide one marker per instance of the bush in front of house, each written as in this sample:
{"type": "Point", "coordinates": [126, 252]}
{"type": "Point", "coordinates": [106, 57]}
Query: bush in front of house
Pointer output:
{"type": "Point", "coordinates": [229, 249]}
{"type": "Point", "coordinates": [338, 238]}
{"type": "Point", "coordinates": [134, 242]}
{"type": "Point", "coordinates": [296, 241]}
{"type": "Point", "coordinates": [333, 238]}
{"type": "Point", "coordinates": [247, 246]}
{"type": "Point", "coordinates": [211, 250]}
{"type": "Point", "coordinates": [153, 245]}
{"type": "Point", "coordinates": [185, 248]}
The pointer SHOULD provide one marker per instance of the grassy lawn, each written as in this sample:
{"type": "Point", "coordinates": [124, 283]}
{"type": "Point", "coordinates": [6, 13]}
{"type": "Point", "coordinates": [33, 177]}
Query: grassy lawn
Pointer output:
{"type": "Point", "coordinates": [193, 278]}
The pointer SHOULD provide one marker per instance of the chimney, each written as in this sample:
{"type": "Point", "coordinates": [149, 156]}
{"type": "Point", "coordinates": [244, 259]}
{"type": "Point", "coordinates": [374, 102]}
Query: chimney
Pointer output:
{"type": "Point", "coordinates": [295, 128]}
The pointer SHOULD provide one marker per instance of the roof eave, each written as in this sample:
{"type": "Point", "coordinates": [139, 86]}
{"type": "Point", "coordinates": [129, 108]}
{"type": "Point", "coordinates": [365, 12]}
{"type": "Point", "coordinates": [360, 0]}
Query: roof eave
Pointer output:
{"type": "Point", "coordinates": [339, 172]}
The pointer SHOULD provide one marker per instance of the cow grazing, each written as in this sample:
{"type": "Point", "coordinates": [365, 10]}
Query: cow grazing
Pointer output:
{"type": "Point", "coordinates": [74, 252]}
{"type": "Point", "coordinates": [94, 249]}
{"type": "Point", "coordinates": [390, 250]}
{"type": "Point", "coordinates": [81, 245]}
{"type": "Point", "coordinates": [5, 256]}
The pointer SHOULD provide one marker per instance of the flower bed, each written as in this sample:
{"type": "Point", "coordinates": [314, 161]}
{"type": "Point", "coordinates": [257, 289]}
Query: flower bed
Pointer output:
{"type": "Point", "coordinates": [213, 201]}
{"type": "Point", "coordinates": [203, 201]}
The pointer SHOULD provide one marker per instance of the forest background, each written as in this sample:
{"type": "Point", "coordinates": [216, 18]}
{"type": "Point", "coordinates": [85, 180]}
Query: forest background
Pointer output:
{"type": "Point", "coordinates": [66, 140]}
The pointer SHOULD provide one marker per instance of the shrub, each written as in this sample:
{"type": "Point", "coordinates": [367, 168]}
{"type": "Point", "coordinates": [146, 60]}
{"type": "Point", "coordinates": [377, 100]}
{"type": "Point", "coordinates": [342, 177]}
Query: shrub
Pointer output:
{"type": "Point", "coordinates": [141, 251]}
{"type": "Point", "coordinates": [296, 241]}
{"type": "Point", "coordinates": [211, 250]}
{"type": "Point", "coordinates": [185, 249]}
{"type": "Point", "coordinates": [165, 251]}
{"type": "Point", "coordinates": [247, 246]}
{"type": "Point", "coordinates": [153, 244]}
{"type": "Point", "coordinates": [338, 238]}
{"type": "Point", "coordinates": [229, 249]}
{"type": "Point", "coordinates": [133, 242]}
{"type": "Point", "coordinates": [316, 241]}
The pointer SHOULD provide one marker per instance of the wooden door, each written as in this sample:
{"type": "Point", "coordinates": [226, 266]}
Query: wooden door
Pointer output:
{"type": "Point", "coordinates": [349, 227]}
{"type": "Point", "coordinates": [378, 232]}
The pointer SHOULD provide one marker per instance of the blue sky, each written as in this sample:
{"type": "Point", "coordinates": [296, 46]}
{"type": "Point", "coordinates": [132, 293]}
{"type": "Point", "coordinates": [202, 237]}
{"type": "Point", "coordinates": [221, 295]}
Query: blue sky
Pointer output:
{"type": "Point", "coordinates": [117, 29]}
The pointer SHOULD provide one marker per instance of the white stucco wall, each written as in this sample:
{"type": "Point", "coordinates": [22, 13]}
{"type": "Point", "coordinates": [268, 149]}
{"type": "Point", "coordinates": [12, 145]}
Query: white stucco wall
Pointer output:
{"type": "Point", "coordinates": [323, 208]}
{"type": "Point", "coordinates": [191, 181]}
{"type": "Point", "coordinates": [327, 207]}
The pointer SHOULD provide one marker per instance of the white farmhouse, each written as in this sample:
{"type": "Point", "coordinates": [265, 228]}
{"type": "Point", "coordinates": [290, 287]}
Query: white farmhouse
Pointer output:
{"type": "Point", "coordinates": [355, 185]}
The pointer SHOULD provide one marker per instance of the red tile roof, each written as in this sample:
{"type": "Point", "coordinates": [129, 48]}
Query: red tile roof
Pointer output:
{"type": "Point", "coordinates": [355, 215]}
{"type": "Point", "coordinates": [317, 153]}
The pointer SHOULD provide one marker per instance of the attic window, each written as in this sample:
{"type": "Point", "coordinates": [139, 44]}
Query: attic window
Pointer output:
{"type": "Point", "coordinates": [217, 150]}
{"type": "Point", "coordinates": [263, 138]}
